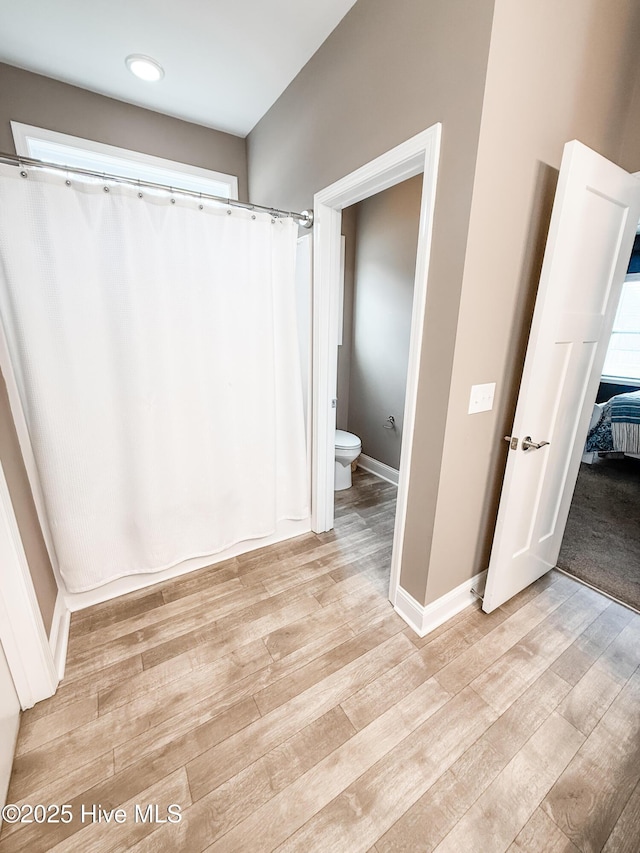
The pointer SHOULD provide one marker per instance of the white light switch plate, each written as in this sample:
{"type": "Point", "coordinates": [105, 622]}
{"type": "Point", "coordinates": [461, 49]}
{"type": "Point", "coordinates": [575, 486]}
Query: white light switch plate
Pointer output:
{"type": "Point", "coordinates": [481, 399]}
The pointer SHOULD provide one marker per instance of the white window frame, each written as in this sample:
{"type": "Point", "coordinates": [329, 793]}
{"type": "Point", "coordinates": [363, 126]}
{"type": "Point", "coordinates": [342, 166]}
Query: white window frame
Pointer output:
{"type": "Point", "coordinates": [622, 380]}
{"type": "Point", "coordinates": [75, 151]}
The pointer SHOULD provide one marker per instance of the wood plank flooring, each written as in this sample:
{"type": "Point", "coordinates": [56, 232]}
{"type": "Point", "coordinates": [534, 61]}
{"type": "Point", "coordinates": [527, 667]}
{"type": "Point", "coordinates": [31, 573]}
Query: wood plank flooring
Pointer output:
{"type": "Point", "coordinates": [283, 705]}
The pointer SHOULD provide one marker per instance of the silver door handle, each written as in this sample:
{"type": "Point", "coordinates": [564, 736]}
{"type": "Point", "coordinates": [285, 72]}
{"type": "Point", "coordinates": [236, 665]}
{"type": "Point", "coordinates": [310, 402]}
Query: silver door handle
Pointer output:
{"type": "Point", "coordinates": [527, 444]}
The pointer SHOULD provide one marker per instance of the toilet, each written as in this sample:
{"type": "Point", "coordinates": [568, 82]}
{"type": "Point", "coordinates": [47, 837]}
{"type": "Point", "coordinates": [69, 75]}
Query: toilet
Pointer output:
{"type": "Point", "coordinates": [348, 448]}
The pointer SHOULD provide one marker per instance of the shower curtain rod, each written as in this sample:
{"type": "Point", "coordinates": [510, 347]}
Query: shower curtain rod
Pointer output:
{"type": "Point", "coordinates": [305, 219]}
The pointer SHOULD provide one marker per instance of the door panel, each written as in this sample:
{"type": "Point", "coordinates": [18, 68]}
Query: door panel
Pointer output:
{"type": "Point", "coordinates": [592, 229]}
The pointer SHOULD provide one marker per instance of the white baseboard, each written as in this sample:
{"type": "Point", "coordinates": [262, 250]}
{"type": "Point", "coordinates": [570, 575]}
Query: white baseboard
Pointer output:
{"type": "Point", "coordinates": [385, 472]}
{"type": "Point", "coordinates": [424, 619]}
{"type": "Point", "coordinates": [59, 634]}
{"type": "Point", "coordinates": [132, 583]}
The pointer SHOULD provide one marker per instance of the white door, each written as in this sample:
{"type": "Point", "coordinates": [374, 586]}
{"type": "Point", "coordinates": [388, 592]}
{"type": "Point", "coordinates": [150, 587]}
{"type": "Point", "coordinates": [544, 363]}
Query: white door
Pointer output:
{"type": "Point", "coordinates": [595, 214]}
{"type": "Point", "coordinates": [9, 722]}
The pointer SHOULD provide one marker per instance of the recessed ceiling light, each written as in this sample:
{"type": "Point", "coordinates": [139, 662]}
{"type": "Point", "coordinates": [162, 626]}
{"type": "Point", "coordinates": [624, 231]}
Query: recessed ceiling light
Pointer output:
{"type": "Point", "coordinates": [144, 67]}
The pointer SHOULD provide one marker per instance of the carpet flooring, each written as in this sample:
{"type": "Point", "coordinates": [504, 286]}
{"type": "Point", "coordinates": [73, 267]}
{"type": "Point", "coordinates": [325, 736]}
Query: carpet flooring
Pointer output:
{"type": "Point", "coordinates": [601, 544]}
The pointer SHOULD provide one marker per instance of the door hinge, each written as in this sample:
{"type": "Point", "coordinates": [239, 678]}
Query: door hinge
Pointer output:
{"type": "Point", "coordinates": [334, 403]}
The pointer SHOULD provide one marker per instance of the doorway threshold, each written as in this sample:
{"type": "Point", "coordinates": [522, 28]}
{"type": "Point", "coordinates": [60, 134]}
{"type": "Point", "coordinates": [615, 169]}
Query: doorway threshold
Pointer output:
{"type": "Point", "coordinates": [596, 589]}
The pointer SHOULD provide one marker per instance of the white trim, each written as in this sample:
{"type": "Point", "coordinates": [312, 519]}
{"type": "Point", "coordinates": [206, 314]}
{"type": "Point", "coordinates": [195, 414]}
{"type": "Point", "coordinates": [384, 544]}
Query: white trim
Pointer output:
{"type": "Point", "coordinates": [343, 257]}
{"type": "Point", "coordinates": [24, 134]}
{"type": "Point", "coordinates": [133, 583]}
{"type": "Point", "coordinates": [418, 154]}
{"type": "Point", "coordinates": [24, 440]}
{"type": "Point", "coordinates": [22, 630]}
{"type": "Point", "coordinates": [620, 380]}
{"type": "Point", "coordinates": [59, 634]}
{"type": "Point", "coordinates": [385, 472]}
{"type": "Point", "coordinates": [9, 728]}
{"type": "Point", "coordinates": [411, 610]}
{"type": "Point", "coordinates": [304, 254]}
{"type": "Point", "coordinates": [326, 278]}
{"type": "Point", "coordinates": [423, 619]}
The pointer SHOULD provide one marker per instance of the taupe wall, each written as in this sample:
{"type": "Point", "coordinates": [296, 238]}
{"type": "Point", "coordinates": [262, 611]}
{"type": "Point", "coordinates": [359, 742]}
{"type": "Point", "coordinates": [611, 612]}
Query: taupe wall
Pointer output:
{"type": "Point", "coordinates": [349, 226]}
{"type": "Point", "coordinates": [630, 147]}
{"type": "Point", "coordinates": [44, 583]}
{"type": "Point", "coordinates": [37, 100]}
{"type": "Point", "coordinates": [386, 241]}
{"type": "Point", "coordinates": [387, 72]}
{"type": "Point", "coordinates": [557, 71]}
{"type": "Point", "coordinates": [33, 99]}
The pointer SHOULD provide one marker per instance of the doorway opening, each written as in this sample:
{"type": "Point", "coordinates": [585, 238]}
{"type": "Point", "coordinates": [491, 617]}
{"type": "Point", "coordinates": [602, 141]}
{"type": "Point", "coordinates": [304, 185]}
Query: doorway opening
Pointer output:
{"type": "Point", "coordinates": [380, 241]}
{"type": "Point", "coordinates": [415, 156]}
{"type": "Point", "coordinates": [580, 283]}
{"type": "Point", "coordinates": [601, 544]}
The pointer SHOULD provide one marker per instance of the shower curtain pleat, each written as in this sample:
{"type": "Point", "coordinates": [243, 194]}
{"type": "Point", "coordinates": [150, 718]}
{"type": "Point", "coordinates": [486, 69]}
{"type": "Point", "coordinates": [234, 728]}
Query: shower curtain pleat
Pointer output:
{"type": "Point", "coordinates": [154, 346]}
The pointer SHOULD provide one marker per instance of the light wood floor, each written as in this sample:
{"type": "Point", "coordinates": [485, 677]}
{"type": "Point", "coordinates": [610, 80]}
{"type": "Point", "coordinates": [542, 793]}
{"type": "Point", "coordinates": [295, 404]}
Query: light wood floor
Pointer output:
{"type": "Point", "coordinates": [279, 700]}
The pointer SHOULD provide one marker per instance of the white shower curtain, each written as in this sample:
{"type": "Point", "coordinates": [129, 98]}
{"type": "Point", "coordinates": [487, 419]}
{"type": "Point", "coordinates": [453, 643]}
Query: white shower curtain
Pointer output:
{"type": "Point", "coordinates": [153, 341]}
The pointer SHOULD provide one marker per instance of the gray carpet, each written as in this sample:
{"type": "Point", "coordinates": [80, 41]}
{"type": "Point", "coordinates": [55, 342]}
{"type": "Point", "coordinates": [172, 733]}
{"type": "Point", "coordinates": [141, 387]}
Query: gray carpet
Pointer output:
{"type": "Point", "coordinates": [601, 544]}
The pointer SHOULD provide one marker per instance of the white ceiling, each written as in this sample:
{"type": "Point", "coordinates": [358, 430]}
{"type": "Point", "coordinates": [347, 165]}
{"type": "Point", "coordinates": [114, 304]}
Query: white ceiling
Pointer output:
{"type": "Point", "coordinates": [225, 61]}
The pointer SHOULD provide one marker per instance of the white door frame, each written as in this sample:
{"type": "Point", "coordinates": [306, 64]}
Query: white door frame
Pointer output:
{"type": "Point", "coordinates": [22, 630]}
{"type": "Point", "coordinates": [416, 155]}
{"type": "Point", "coordinates": [569, 342]}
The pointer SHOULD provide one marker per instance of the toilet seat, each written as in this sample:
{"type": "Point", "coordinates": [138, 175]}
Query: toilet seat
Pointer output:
{"type": "Point", "coordinates": [346, 440]}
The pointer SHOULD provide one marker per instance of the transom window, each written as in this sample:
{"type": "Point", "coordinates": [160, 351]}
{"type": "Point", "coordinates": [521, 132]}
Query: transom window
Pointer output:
{"type": "Point", "coordinates": [65, 150]}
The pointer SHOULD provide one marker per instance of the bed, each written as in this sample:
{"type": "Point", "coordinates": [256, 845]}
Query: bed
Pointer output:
{"type": "Point", "coordinates": [614, 427]}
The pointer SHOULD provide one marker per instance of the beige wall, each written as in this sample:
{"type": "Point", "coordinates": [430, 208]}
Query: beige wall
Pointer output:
{"type": "Point", "coordinates": [44, 583]}
{"type": "Point", "coordinates": [557, 71]}
{"type": "Point", "coordinates": [349, 226]}
{"type": "Point", "coordinates": [386, 242]}
{"type": "Point", "coordinates": [387, 72]}
{"type": "Point", "coordinates": [33, 99]}
{"type": "Point", "coordinates": [630, 147]}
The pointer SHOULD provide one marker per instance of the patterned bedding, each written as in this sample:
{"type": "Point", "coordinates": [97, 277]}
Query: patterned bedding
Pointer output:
{"type": "Point", "coordinates": [618, 428]}
{"type": "Point", "coordinates": [625, 422]}
{"type": "Point", "coordinates": [599, 437]}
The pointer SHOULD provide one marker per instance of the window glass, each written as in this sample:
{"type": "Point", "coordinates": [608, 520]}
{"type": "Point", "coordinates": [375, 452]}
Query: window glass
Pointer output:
{"type": "Point", "coordinates": [623, 355]}
{"type": "Point", "coordinates": [53, 147]}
